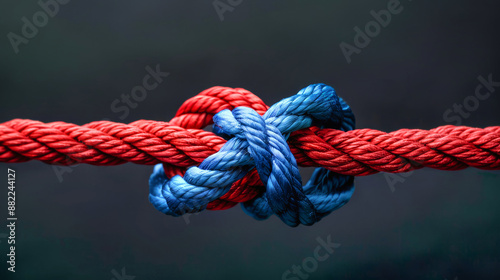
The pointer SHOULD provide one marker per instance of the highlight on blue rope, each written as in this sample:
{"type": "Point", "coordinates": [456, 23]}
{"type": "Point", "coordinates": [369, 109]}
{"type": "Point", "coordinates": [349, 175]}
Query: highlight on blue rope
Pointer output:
{"type": "Point", "coordinates": [259, 142]}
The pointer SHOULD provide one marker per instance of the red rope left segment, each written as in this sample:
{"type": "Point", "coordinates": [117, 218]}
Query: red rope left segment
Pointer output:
{"type": "Point", "coordinates": [177, 144]}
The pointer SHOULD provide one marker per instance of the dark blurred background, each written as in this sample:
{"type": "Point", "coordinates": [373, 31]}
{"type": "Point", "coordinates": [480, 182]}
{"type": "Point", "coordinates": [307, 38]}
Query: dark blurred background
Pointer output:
{"type": "Point", "coordinates": [96, 222]}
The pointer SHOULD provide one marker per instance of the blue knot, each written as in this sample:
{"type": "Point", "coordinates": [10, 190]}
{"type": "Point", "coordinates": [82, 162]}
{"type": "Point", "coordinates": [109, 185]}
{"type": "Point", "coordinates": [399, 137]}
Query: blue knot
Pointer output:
{"type": "Point", "coordinates": [260, 142]}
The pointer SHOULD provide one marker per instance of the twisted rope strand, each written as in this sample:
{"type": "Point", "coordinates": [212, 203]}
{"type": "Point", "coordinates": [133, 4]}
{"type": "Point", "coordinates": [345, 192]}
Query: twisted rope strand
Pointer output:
{"type": "Point", "coordinates": [182, 143]}
{"type": "Point", "coordinates": [358, 152]}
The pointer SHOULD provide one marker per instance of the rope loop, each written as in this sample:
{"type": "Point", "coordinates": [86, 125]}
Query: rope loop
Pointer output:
{"type": "Point", "coordinates": [259, 142]}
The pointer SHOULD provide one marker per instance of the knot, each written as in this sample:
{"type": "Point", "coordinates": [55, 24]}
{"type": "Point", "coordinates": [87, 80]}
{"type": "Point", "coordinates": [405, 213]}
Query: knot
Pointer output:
{"type": "Point", "coordinates": [259, 142]}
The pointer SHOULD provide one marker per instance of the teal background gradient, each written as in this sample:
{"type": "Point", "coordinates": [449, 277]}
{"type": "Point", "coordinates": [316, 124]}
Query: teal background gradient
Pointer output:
{"type": "Point", "coordinates": [434, 225]}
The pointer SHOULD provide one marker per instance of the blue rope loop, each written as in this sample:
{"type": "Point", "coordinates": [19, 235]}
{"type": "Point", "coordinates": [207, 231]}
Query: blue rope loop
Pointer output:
{"type": "Point", "coordinates": [259, 142]}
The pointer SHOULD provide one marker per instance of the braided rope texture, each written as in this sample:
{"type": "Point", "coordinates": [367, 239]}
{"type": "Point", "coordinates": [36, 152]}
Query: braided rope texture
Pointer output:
{"type": "Point", "coordinates": [316, 124]}
{"type": "Point", "coordinates": [259, 142]}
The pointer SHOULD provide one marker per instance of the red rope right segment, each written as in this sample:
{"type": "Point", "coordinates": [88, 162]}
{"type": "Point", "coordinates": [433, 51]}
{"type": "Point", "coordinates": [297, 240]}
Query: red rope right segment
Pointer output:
{"type": "Point", "coordinates": [367, 151]}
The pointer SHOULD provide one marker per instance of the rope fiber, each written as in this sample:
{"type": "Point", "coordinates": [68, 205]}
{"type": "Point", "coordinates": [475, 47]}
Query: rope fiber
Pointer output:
{"type": "Point", "coordinates": [252, 155]}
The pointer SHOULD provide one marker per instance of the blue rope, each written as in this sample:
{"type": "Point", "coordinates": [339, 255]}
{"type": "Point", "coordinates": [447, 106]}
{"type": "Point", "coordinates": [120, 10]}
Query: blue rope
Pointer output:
{"type": "Point", "coordinates": [259, 142]}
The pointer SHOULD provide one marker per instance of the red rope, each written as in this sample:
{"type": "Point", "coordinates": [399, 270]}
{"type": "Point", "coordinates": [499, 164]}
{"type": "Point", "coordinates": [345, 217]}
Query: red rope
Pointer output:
{"type": "Point", "coordinates": [181, 143]}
